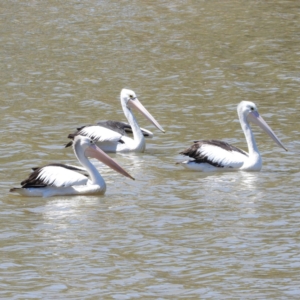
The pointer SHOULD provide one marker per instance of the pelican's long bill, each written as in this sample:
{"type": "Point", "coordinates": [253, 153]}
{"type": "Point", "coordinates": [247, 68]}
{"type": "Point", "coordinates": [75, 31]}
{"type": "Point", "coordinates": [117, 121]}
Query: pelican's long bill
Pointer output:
{"type": "Point", "coordinates": [95, 152]}
{"type": "Point", "coordinates": [255, 117]}
{"type": "Point", "coordinates": [135, 103]}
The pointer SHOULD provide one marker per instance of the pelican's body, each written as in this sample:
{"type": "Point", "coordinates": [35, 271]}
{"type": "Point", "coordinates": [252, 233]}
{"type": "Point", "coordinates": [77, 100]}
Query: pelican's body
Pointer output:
{"type": "Point", "coordinates": [214, 155]}
{"type": "Point", "coordinates": [60, 179]}
{"type": "Point", "coordinates": [111, 136]}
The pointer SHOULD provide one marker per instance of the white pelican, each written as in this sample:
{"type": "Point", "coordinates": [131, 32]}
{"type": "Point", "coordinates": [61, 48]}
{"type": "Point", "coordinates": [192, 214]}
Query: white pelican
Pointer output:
{"type": "Point", "coordinates": [111, 136]}
{"type": "Point", "coordinates": [60, 179]}
{"type": "Point", "coordinates": [213, 155]}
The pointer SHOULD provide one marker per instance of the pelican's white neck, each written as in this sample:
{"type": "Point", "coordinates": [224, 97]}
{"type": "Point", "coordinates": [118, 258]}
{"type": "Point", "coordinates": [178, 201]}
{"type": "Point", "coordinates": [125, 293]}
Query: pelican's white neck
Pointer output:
{"type": "Point", "coordinates": [95, 176]}
{"type": "Point", "coordinates": [138, 137]}
{"type": "Point", "coordinates": [254, 161]}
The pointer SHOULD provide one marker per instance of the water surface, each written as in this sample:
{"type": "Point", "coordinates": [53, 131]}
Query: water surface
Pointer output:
{"type": "Point", "coordinates": [171, 233]}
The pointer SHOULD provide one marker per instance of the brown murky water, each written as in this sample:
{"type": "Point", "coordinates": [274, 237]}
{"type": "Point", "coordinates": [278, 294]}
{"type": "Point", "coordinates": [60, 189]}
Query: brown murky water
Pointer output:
{"type": "Point", "coordinates": [171, 234]}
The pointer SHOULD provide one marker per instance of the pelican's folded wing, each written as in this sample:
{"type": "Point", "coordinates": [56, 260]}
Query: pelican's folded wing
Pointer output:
{"type": "Point", "coordinates": [123, 128]}
{"type": "Point", "coordinates": [99, 134]}
{"type": "Point", "coordinates": [57, 175]}
{"type": "Point", "coordinates": [216, 153]}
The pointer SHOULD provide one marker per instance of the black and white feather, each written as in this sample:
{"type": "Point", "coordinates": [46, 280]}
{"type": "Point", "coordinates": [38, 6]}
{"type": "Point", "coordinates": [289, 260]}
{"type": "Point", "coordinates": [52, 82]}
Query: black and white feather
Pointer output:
{"type": "Point", "coordinates": [216, 153]}
{"type": "Point", "coordinates": [107, 132]}
{"type": "Point", "coordinates": [58, 179]}
{"type": "Point", "coordinates": [56, 175]}
{"type": "Point", "coordinates": [123, 128]}
{"type": "Point", "coordinates": [213, 155]}
{"type": "Point", "coordinates": [100, 134]}
{"type": "Point", "coordinates": [112, 136]}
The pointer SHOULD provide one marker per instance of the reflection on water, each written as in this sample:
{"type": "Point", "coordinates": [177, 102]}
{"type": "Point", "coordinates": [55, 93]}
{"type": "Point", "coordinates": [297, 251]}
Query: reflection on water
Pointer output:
{"type": "Point", "coordinates": [171, 232]}
{"type": "Point", "coordinates": [229, 182]}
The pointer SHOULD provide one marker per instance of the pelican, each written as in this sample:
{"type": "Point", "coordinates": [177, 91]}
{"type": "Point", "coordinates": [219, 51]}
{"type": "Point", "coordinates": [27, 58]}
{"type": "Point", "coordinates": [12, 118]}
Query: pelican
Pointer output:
{"type": "Point", "coordinates": [111, 136]}
{"type": "Point", "coordinates": [61, 179]}
{"type": "Point", "coordinates": [214, 155]}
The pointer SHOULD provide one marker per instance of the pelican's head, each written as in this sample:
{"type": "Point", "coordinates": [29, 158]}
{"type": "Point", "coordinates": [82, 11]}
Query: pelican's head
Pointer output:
{"type": "Point", "coordinates": [130, 100]}
{"type": "Point", "coordinates": [83, 142]}
{"type": "Point", "coordinates": [248, 112]}
{"type": "Point", "coordinates": [246, 107]}
{"type": "Point", "coordinates": [127, 95]}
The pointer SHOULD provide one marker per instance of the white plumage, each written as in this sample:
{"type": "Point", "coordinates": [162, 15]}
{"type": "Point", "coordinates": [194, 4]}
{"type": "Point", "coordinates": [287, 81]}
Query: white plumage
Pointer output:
{"type": "Point", "coordinates": [112, 136]}
{"type": "Point", "coordinates": [218, 155]}
{"type": "Point", "coordinates": [60, 176]}
{"type": "Point", "coordinates": [214, 155]}
{"type": "Point", "coordinates": [101, 135]}
{"type": "Point", "coordinates": [60, 179]}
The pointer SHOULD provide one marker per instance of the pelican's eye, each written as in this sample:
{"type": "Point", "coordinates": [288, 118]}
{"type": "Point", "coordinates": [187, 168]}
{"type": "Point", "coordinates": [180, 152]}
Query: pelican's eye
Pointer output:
{"type": "Point", "coordinates": [252, 108]}
{"type": "Point", "coordinates": [91, 142]}
{"type": "Point", "coordinates": [131, 96]}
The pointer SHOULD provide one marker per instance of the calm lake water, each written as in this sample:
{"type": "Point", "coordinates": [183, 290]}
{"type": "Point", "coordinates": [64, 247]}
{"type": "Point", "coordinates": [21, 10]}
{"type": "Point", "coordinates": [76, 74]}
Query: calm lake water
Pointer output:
{"type": "Point", "coordinates": [171, 233]}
